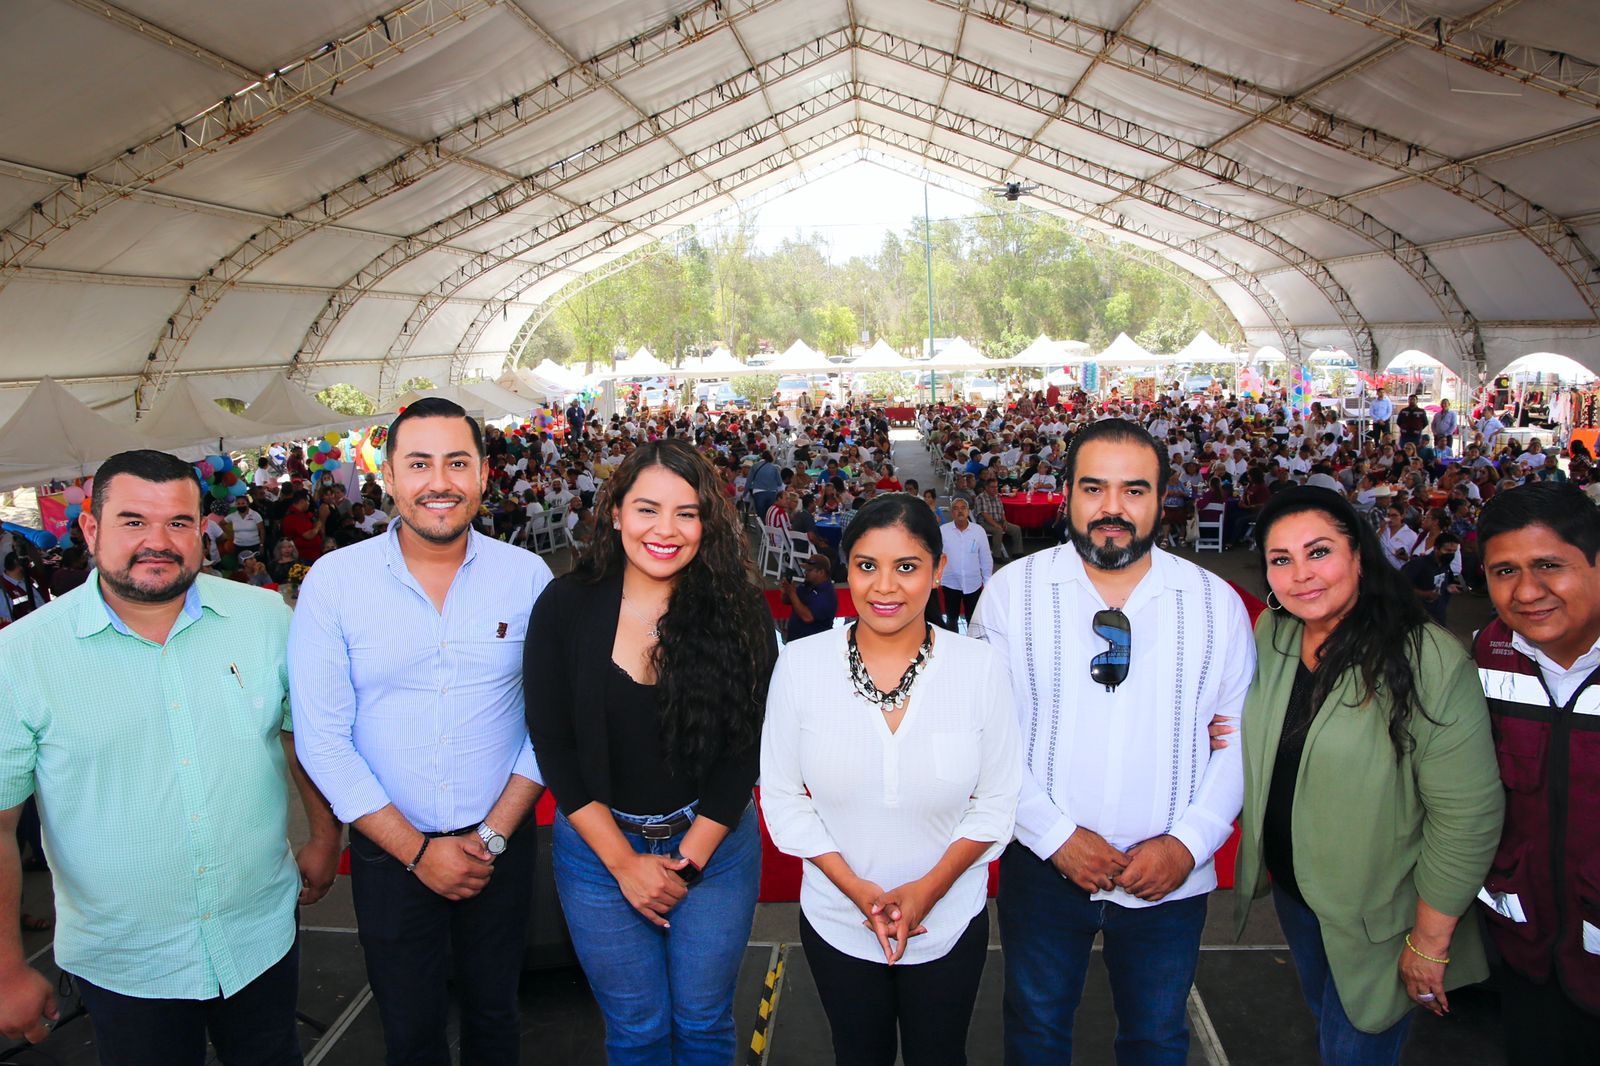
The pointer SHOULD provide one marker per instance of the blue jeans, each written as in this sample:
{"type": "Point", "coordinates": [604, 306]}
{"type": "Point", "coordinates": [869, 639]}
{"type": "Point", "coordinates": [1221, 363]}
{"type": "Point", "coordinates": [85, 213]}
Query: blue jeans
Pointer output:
{"type": "Point", "coordinates": [666, 994]}
{"type": "Point", "coordinates": [1338, 1041]}
{"type": "Point", "coordinates": [1047, 928]}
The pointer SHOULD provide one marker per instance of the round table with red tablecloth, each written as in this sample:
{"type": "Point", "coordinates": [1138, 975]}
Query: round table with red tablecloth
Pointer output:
{"type": "Point", "coordinates": [1031, 510]}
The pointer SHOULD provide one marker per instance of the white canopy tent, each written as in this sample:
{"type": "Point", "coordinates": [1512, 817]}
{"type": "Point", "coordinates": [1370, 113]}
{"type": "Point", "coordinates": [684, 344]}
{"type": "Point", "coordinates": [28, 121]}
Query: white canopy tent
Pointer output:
{"type": "Point", "coordinates": [1414, 360]}
{"type": "Point", "coordinates": [1205, 348]}
{"type": "Point", "coordinates": [880, 357]}
{"type": "Point", "coordinates": [798, 358]}
{"type": "Point", "coordinates": [720, 363]}
{"type": "Point", "coordinates": [1046, 352]}
{"type": "Point", "coordinates": [1125, 351]}
{"type": "Point", "coordinates": [959, 354]}
{"type": "Point", "coordinates": [53, 434]}
{"type": "Point", "coordinates": [369, 191]}
{"type": "Point", "coordinates": [1549, 364]}
{"type": "Point", "coordinates": [188, 423]}
{"type": "Point", "coordinates": [483, 399]}
{"type": "Point", "coordinates": [641, 364]}
{"type": "Point", "coordinates": [283, 403]}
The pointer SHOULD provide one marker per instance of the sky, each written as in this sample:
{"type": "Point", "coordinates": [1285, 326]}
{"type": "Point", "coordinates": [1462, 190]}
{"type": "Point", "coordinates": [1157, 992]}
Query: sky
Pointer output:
{"type": "Point", "coordinates": [854, 207]}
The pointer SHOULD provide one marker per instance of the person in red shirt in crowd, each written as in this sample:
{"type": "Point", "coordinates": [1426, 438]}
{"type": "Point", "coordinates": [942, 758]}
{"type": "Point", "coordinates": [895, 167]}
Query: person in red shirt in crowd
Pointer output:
{"type": "Point", "coordinates": [888, 482]}
{"type": "Point", "coordinates": [304, 528]}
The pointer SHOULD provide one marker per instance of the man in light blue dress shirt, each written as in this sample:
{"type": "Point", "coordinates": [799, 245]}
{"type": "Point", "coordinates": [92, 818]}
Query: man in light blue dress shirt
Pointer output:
{"type": "Point", "coordinates": [405, 661]}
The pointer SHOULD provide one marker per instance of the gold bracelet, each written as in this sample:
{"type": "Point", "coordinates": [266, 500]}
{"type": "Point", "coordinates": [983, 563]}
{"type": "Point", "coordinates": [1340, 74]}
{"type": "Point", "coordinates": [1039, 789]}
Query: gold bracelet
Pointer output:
{"type": "Point", "coordinates": [1437, 962]}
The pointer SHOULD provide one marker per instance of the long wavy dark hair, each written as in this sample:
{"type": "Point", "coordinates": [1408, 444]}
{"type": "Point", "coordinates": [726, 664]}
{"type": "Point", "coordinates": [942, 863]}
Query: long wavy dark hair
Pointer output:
{"type": "Point", "coordinates": [1381, 636]}
{"type": "Point", "coordinates": [713, 657]}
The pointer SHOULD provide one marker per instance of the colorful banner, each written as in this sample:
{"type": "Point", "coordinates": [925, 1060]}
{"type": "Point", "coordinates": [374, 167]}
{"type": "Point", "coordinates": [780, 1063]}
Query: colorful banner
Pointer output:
{"type": "Point", "coordinates": [53, 514]}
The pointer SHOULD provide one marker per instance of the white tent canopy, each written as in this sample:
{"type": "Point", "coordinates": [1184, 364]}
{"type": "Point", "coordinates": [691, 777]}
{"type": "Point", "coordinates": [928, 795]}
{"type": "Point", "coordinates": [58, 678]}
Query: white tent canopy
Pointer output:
{"type": "Point", "coordinates": [484, 399]}
{"type": "Point", "coordinates": [959, 354]}
{"type": "Point", "coordinates": [641, 364]}
{"type": "Point", "coordinates": [53, 434]}
{"type": "Point", "coordinates": [1046, 352]}
{"type": "Point", "coordinates": [1414, 360]}
{"type": "Point", "coordinates": [368, 191]}
{"type": "Point", "coordinates": [881, 357]}
{"type": "Point", "coordinates": [720, 363]}
{"type": "Point", "coordinates": [283, 403]}
{"type": "Point", "coordinates": [186, 422]}
{"type": "Point", "coordinates": [798, 358]}
{"type": "Point", "coordinates": [1125, 351]}
{"type": "Point", "coordinates": [1204, 348]}
{"type": "Point", "coordinates": [1549, 364]}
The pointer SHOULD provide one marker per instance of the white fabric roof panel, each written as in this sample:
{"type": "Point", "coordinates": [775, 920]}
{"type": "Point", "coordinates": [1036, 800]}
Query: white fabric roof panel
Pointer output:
{"type": "Point", "coordinates": [1446, 105]}
{"type": "Point", "coordinates": [130, 90]}
{"type": "Point", "coordinates": [252, 328]}
{"type": "Point", "coordinates": [446, 81]}
{"type": "Point", "coordinates": [1283, 46]}
{"type": "Point", "coordinates": [284, 166]}
{"type": "Point", "coordinates": [145, 239]}
{"type": "Point", "coordinates": [123, 87]}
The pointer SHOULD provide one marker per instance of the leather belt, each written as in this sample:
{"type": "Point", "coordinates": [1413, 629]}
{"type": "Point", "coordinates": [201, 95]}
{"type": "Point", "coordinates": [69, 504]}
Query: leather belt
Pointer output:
{"type": "Point", "coordinates": [655, 830]}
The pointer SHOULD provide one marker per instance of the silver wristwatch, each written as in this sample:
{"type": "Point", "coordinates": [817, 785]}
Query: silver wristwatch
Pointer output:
{"type": "Point", "coordinates": [491, 839]}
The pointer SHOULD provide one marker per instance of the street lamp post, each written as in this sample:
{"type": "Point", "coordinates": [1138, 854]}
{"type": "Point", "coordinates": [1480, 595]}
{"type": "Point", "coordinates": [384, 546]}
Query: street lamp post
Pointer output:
{"type": "Point", "coordinates": [927, 245]}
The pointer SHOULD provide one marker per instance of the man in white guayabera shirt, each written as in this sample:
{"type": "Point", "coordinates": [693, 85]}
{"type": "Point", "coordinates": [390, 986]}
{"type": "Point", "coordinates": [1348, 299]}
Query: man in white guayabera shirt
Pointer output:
{"type": "Point", "coordinates": [1119, 656]}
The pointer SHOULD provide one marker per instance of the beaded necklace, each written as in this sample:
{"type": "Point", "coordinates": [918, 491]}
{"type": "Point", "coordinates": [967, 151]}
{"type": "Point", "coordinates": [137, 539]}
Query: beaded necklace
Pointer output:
{"type": "Point", "coordinates": [869, 691]}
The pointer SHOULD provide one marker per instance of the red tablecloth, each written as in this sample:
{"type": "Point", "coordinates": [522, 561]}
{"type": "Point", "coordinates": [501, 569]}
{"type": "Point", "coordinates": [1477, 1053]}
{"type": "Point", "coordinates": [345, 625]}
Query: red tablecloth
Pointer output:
{"type": "Point", "coordinates": [900, 414]}
{"type": "Point", "coordinates": [1031, 510]}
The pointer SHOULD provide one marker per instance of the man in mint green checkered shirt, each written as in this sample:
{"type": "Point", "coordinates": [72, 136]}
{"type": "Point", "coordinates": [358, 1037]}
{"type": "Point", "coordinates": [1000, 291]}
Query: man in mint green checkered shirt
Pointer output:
{"type": "Point", "coordinates": [146, 710]}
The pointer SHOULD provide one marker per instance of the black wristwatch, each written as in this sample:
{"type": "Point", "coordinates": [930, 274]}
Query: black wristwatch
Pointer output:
{"type": "Point", "coordinates": [690, 874]}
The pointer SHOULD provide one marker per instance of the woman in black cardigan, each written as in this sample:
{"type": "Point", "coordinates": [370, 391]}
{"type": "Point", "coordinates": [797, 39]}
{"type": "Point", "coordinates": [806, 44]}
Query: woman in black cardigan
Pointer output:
{"type": "Point", "coordinates": [646, 671]}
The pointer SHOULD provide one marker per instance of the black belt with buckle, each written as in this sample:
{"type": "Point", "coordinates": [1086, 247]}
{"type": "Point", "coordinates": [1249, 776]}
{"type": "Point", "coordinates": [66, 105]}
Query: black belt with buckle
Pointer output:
{"type": "Point", "coordinates": [655, 830]}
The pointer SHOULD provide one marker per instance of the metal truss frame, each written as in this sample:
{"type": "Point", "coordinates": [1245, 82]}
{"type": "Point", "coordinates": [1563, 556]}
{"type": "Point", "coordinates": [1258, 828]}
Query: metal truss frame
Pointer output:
{"type": "Point", "coordinates": [662, 245]}
{"type": "Point", "coordinates": [453, 146]}
{"type": "Point", "coordinates": [1546, 231]}
{"type": "Point", "coordinates": [1558, 73]}
{"type": "Point", "coordinates": [1221, 169]}
{"type": "Point", "coordinates": [270, 97]}
{"type": "Point", "coordinates": [500, 203]}
{"type": "Point", "coordinates": [1065, 163]}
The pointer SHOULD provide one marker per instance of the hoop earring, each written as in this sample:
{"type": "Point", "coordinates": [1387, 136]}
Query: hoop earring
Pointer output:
{"type": "Point", "coordinates": [1272, 601]}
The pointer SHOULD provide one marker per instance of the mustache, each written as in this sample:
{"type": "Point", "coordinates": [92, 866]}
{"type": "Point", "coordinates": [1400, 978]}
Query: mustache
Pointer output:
{"type": "Point", "coordinates": [1111, 523]}
{"type": "Point", "coordinates": [446, 496]}
{"type": "Point", "coordinates": [171, 557]}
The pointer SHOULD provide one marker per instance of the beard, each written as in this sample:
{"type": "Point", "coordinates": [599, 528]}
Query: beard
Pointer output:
{"type": "Point", "coordinates": [1108, 557]}
{"type": "Point", "coordinates": [424, 524]}
{"type": "Point", "coordinates": [124, 584]}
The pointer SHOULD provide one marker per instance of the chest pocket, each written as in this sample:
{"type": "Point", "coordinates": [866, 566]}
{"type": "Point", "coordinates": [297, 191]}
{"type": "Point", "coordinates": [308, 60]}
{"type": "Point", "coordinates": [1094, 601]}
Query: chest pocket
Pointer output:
{"type": "Point", "coordinates": [253, 712]}
{"type": "Point", "coordinates": [955, 757]}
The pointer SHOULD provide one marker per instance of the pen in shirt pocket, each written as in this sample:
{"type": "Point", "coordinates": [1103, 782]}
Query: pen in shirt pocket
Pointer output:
{"type": "Point", "coordinates": [233, 669]}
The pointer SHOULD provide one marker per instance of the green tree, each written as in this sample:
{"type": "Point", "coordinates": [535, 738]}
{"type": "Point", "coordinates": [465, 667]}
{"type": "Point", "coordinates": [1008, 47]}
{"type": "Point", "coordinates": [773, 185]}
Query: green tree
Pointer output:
{"type": "Point", "coordinates": [348, 400]}
{"type": "Point", "coordinates": [836, 328]}
{"type": "Point", "coordinates": [416, 384]}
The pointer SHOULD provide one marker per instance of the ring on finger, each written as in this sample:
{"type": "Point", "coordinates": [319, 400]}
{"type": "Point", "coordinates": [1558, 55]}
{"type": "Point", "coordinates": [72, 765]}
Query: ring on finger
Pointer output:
{"type": "Point", "coordinates": [1426, 997]}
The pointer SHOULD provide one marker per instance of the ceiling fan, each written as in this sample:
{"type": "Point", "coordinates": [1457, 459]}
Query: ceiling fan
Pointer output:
{"type": "Point", "coordinates": [1013, 191]}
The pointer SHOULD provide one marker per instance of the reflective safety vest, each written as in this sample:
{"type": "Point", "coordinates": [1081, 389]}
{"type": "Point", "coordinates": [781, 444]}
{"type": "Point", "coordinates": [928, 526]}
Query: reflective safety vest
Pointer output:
{"type": "Point", "coordinates": [1542, 897]}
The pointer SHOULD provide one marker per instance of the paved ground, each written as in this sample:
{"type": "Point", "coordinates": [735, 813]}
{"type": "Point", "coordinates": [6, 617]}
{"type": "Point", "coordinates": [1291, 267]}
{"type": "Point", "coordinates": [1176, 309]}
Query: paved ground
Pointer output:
{"type": "Point", "coordinates": [1245, 1007]}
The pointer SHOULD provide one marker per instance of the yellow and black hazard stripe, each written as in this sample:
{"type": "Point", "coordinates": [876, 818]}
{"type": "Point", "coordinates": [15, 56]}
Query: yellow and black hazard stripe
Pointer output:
{"type": "Point", "coordinates": [767, 1011]}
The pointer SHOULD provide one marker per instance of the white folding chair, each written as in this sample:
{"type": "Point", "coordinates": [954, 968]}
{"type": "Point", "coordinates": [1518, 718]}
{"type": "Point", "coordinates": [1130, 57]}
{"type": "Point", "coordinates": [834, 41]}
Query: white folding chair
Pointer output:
{"type": "Point", "coordinates": [1210, 527]}
{"type": "Point", "coordinates": [557, 519]}
{"type": "Point", "coordinates": [800, 549]}
{"type": "Point", "coordinates": [538, 527]}
{"type": "Point", "coordinates": [774, 551]}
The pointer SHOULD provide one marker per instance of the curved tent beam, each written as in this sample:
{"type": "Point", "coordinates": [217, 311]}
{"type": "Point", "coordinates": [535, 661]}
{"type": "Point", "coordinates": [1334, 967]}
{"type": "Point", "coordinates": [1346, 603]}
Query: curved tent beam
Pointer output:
{"type": "Point", "coordinates": [1072, 166]}
{"type": "Point", "coordinates": [632, 138]}
{"type": "Point", "coordinates": [984, 171]}
{"type": "Point", "coordinates": [1178, 152]}
{"type": "Point", "coordinates": [1554, 237]}
{"type": "Point", "coordinates": [431, 302]}
{"type": "Point", "coordinates": [1557, 73]}
{"type": "Point", "coordinates": [264, 99]}
{"type": "Point", "coordinates": [457, 145]}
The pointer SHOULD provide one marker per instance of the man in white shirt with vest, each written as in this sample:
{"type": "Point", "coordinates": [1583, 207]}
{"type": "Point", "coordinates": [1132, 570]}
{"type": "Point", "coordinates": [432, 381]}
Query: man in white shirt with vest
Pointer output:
{"type": "Point", "coordinates": [1119, 656]}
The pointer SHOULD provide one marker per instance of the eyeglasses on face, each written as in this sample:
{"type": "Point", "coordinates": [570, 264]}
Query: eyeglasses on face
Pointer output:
{"type": "Point", "coordinates": [1110, 667]}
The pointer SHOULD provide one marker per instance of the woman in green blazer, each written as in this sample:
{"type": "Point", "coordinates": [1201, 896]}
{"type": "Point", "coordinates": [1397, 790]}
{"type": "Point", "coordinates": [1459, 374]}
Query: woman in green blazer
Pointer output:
{"type": "Point", "coordinates": [1372, 796]}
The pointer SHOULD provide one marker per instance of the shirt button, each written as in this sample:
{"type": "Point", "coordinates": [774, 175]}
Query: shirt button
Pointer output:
{"type": "Point", "coordinates": [201, 871]}
{"type": "Point", "coordinates": [444, 787]}
{"type": "Point", "coordinates": [443, 689]}
{"type": "Point", "coordinates": [206, 917]}
{"type": "Point", "coordinates": [176, 705]}
{"type": "Point", "coordinates": [194, 817]}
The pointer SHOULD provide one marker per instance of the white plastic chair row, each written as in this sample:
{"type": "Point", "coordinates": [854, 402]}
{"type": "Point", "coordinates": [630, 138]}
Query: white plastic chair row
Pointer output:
{"type": "Point", "coordinates": [547, 530]}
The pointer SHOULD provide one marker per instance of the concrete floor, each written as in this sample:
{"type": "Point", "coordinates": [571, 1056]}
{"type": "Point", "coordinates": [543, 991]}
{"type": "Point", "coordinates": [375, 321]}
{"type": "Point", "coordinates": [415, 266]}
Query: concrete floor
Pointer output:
{"type": "Point", "coordinates": [1245, 1009]}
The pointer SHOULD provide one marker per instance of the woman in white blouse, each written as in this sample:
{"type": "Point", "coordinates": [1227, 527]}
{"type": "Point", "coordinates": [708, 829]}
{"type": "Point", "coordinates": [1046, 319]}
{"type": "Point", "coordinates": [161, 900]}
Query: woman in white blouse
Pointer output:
{"type": "Point", "coordinates": [890, 763]}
